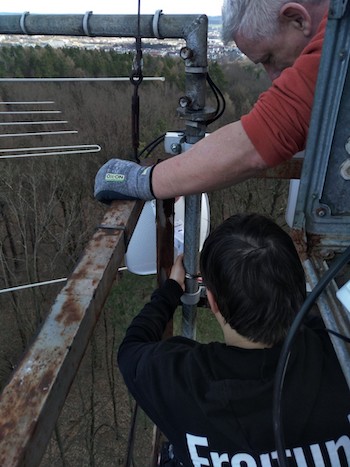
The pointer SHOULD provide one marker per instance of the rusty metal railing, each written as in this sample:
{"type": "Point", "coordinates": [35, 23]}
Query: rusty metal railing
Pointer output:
{"type": "Point", "coordinates": [32, 400]}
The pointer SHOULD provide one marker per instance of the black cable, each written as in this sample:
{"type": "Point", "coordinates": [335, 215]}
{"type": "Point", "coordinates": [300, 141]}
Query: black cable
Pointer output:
{"type": "Point", "coordinates": [136, 79]}
{"type": "Point", "coordinates": [152, 145]}
{"type": "Point", "coordinates": [220, 109]}
{"type": "Point", "coordinates": [340, 336]}
{"type": "Point", "coordinates": [221, 105]}
{"type": "Point", "coordinates": [286, 350]}
{"type": "Point", "coordinates": [216, 95]}
{"type": "Point", "coordinates": [131, 437]}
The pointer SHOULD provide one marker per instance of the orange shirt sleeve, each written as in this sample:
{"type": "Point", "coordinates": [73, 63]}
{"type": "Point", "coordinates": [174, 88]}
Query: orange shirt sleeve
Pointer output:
{"type": "Point", "coordinates": [278, 124]}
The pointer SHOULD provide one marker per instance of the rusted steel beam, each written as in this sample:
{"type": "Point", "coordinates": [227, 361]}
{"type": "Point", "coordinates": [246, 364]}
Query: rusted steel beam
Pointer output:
{"type": "Point", "coordinates": [31, 402]}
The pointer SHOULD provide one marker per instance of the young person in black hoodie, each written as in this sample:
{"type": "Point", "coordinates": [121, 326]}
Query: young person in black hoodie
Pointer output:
{"type": "Point", "coordinates": [214, 401]}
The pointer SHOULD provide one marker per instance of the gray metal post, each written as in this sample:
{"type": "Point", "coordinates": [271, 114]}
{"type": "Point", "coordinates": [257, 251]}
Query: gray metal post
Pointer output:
{"type": "Point", "coordinates": [322, 217]}
{"type": "Point", "coordinates": [194, 111]}
{"type": "Point", "coordinates": [191, 248]}
{"type": "Point", "coordinates": [323, 200]}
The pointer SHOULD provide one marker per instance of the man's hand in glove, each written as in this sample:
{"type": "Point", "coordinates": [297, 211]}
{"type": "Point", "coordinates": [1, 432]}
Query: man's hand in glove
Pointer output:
{"type": "Point", "coordinates": [122, 179]}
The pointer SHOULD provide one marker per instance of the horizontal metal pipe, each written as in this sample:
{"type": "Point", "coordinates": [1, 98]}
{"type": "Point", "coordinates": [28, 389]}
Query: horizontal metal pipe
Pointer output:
{"type": "Point", "coordinates": [41, 80]}
{"type": "Point", "coordinates": [49, 151]}
{"type": "Point", "coordinates": [43, 122]}
{"type": "Point", "coordinates": [23, 102]}
{"type": "Point", "coordinates": [168, 26]}
{"type": "Point", "coordinates": [39, 133]}
{"type": "Point", "coordinates": [24, 112]}
{"type": "Point", "coordinates": [40, 284]}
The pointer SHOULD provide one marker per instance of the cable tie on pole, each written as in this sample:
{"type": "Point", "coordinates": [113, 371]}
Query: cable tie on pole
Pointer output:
{"type": "Point", "coordinates": [22, 22]}
{"type": "Point", "coordinates": [86, 26]}
{"type": "Point", "coordinates": [137, 64]}
{"type": "Point", "coordinates": [155, 24]}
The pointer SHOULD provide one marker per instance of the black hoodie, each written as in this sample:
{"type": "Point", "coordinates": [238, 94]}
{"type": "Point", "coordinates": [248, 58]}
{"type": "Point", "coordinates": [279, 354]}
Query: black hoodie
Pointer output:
{"type": "Point", "coordinates": [214, 402]}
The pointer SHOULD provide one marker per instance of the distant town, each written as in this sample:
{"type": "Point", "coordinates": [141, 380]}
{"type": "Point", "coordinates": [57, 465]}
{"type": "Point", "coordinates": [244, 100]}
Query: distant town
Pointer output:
{"type": "Point", "coordinates": [165, 47]}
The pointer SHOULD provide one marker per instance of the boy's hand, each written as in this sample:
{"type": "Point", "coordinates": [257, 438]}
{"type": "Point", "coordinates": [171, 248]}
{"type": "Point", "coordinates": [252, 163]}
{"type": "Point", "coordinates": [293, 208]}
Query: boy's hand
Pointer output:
{"type": "Point", "coordinates": [178, 272]}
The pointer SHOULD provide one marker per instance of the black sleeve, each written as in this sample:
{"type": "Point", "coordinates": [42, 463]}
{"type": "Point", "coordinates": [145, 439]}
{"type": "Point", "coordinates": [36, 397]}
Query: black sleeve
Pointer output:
{"type": "Point", "coordinates": [148, 326]}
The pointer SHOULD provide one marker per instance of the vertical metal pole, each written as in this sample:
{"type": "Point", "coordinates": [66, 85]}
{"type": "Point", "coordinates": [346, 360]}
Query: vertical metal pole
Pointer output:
{"type": "Point", "coordinates": [195, 56]}
{"type": "Point", "coordinates": [191, 256]}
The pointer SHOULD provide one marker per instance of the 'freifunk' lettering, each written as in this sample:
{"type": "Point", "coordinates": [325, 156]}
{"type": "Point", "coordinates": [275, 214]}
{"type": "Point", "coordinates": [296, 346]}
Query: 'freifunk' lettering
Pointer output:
{"type": "Point", "coordinates": [328, 453]}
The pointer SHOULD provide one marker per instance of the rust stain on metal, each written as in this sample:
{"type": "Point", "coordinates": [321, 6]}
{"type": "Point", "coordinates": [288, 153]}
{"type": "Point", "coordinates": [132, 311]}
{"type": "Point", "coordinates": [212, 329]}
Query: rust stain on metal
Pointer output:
{"type": "Point", "coordinates": [299, 239]}
{"type": "Point", "coordinates": [24, 398]}
{"type": "Point", "coordinates": [80, 273]}
{"type": "Point", "coordinates": [308, 245]}
{"type": "Point", "coordinates": [46, 381]}
{"type": "Point", "coordinates": [5, 428]}
{"type": "Point", "coordinates": [316, 248]}
{"type": "Point", "coordinates": [70, 313]}
{"type": "Point", "coordinates": [314, 241]}
{"type": "Point", "coordinates": [98, 237]}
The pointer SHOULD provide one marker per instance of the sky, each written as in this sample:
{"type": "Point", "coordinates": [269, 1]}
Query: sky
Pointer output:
{"type": "Point", "coordinates": [210, 8]}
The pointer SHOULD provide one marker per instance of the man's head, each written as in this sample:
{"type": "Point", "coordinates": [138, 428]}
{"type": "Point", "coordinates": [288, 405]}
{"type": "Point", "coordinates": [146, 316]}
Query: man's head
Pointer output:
{"type": "Point", "coordinates": [272, 32]}
{"type": "Point", "coordinates": [253, 271]}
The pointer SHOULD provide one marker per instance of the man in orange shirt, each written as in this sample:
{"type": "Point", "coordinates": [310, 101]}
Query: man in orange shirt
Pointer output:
{"type": "Point", "coordinates": [286, 38]}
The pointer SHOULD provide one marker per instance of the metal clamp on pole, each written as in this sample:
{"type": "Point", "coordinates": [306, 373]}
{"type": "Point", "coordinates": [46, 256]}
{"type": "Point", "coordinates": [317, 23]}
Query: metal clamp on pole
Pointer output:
{"type": "Point", "coordinates": [192, 298]}
{"type": "Point", "coordinates": [155, 24]}
{"type": "Point", "coordinates": [22, 22]}
{"type": "Point", "coordinates": [86, 26]}
{"type": "Point", "coordinates": [196, 69]}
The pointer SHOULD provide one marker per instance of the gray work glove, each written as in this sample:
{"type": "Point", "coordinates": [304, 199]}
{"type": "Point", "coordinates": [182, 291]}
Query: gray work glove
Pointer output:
{"type": "Point", "coordinates": [122, 179]}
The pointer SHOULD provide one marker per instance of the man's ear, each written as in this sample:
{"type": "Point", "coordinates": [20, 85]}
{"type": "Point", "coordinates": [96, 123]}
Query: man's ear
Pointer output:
{"type": "Point", "coordinates": [296, 15]}
{"type": "Point", "coordinates": [212, 302]}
